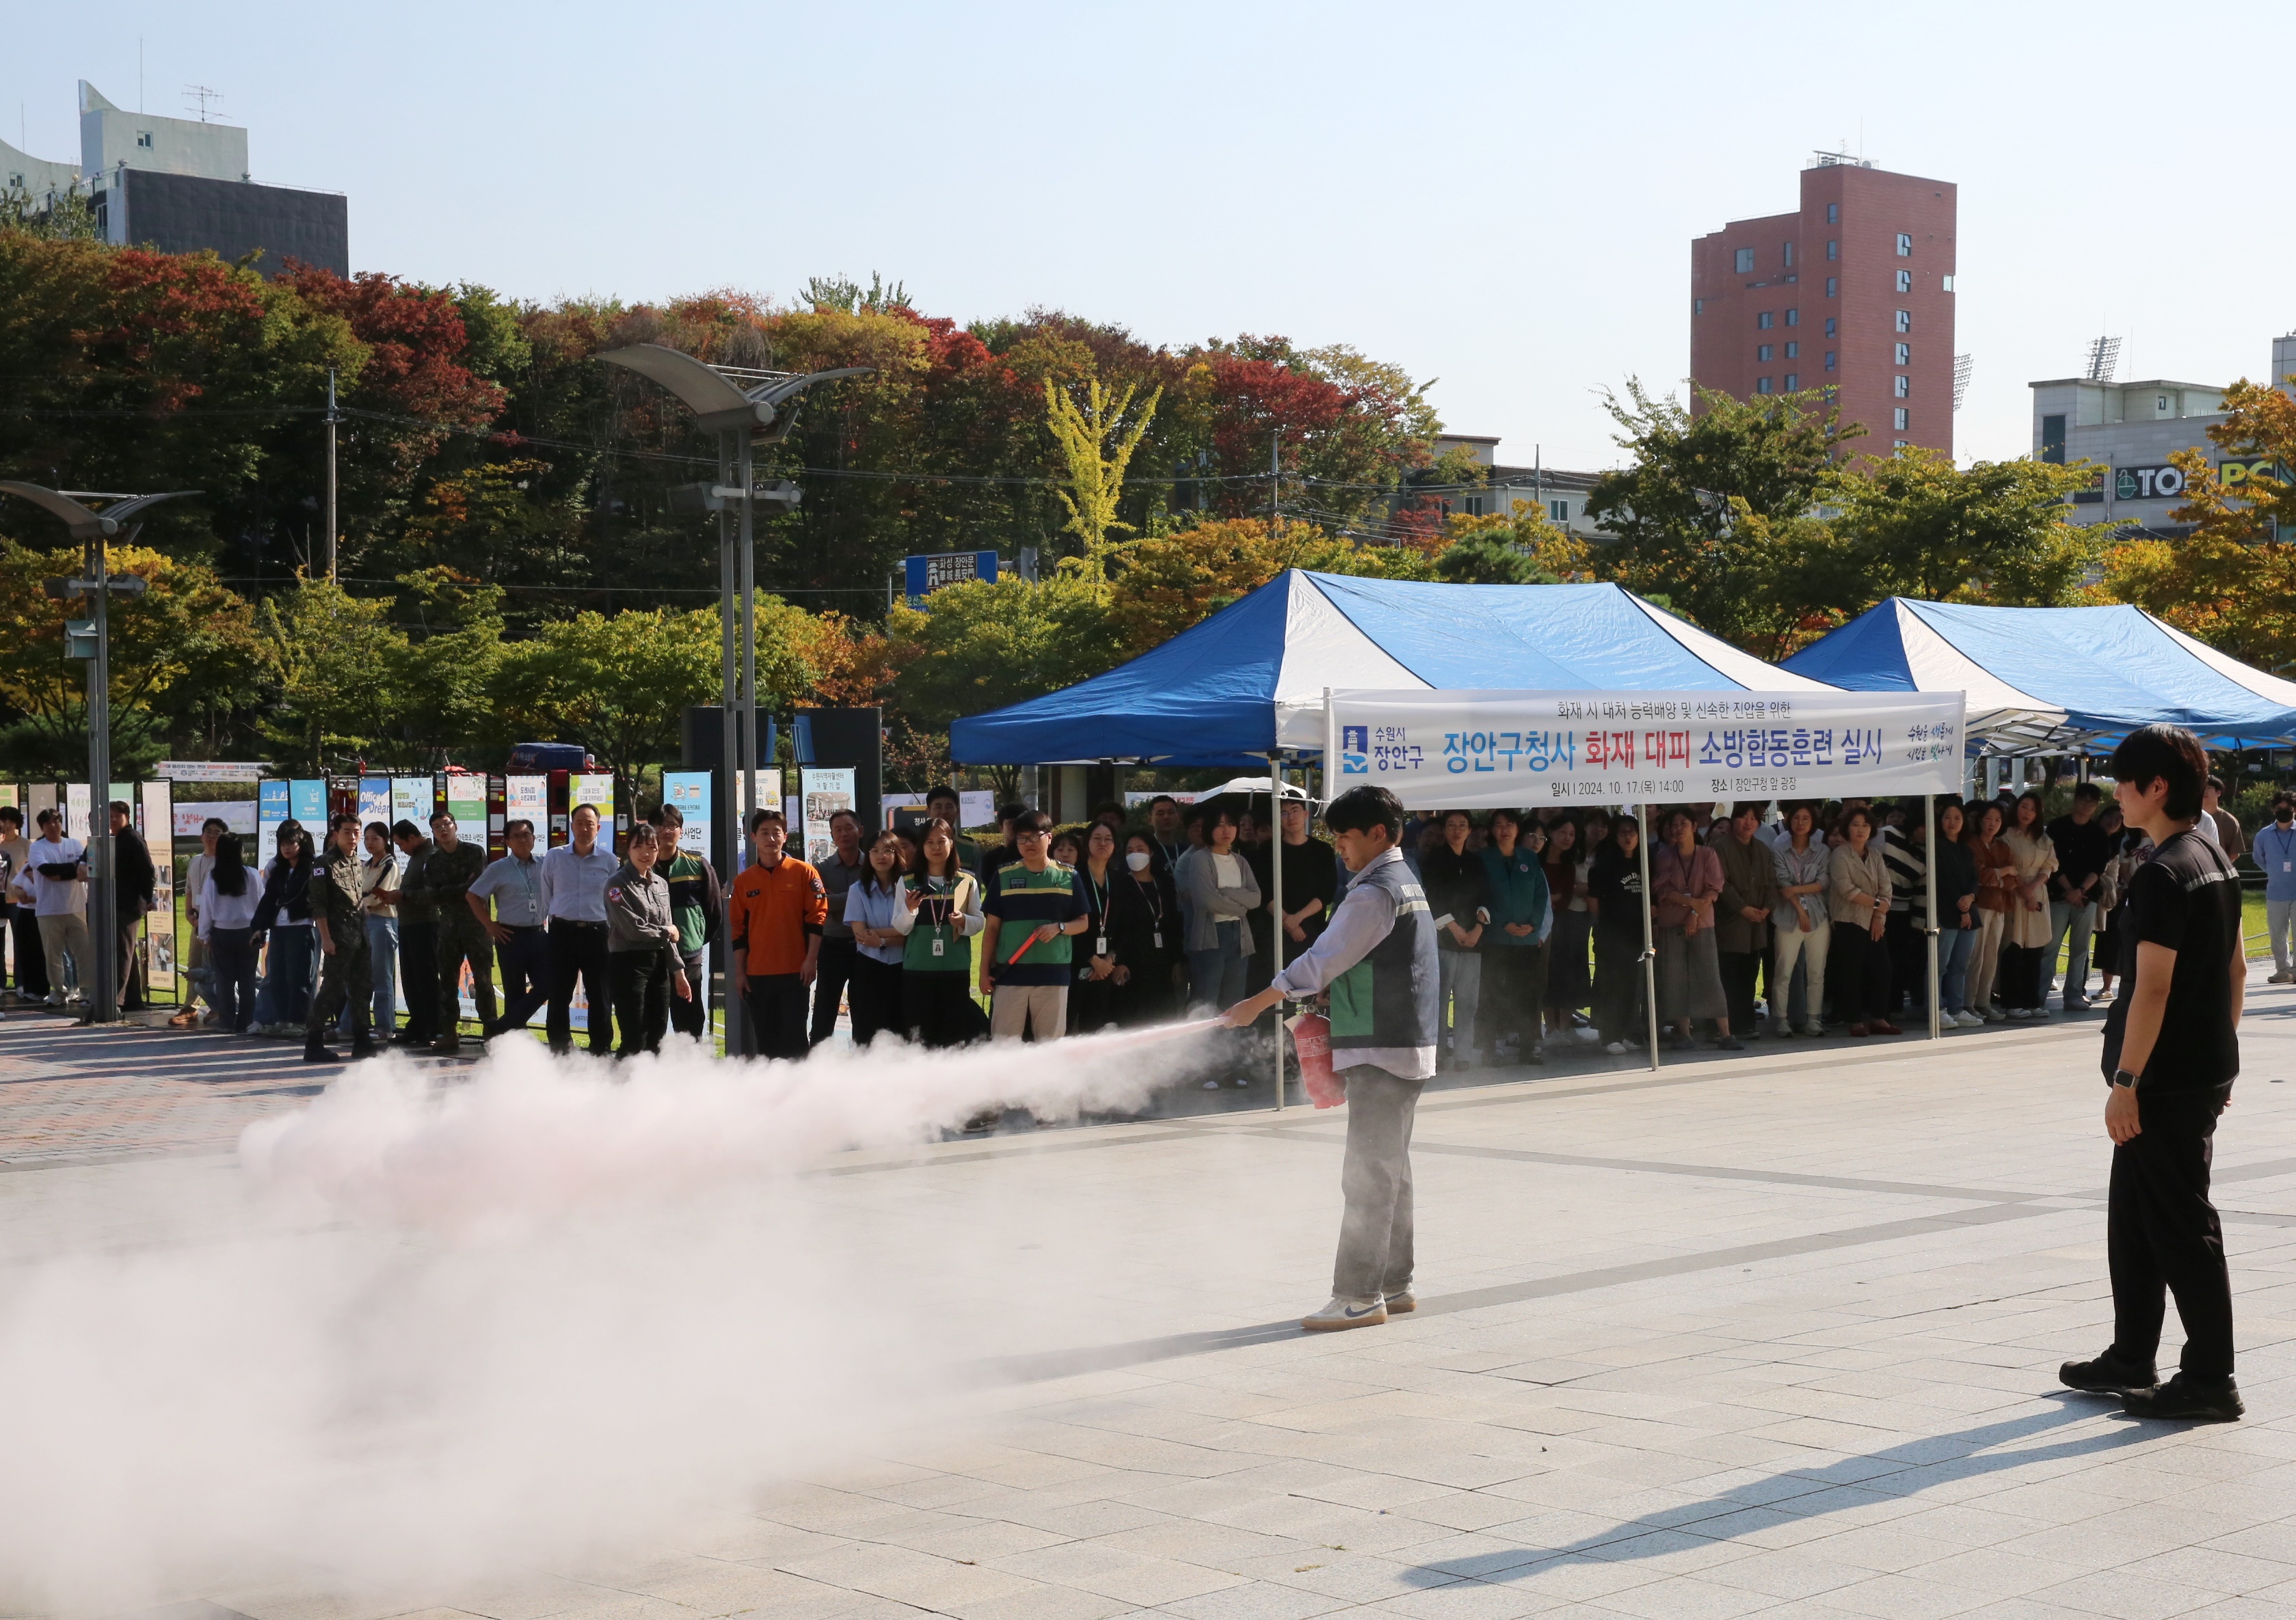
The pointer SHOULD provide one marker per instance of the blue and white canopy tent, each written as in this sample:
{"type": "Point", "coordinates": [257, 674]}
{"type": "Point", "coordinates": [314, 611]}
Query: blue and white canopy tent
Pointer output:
{"type": "Point", "coordinates": [1252, 684]}
{"type": "Point", "coordinates": [2055, 680]}
{"type": "Point", "coordinates": [1248, 682]}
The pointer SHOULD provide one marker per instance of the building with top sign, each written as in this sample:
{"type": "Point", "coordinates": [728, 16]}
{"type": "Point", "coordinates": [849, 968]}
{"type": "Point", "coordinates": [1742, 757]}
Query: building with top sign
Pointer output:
{"type": "Point", "coordinates": [2130, 430]}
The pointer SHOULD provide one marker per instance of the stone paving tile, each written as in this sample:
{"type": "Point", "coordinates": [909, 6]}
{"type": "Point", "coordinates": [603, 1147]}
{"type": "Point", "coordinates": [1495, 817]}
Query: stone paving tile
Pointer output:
{"type": "Point", "coordinates": [1844, 1425]}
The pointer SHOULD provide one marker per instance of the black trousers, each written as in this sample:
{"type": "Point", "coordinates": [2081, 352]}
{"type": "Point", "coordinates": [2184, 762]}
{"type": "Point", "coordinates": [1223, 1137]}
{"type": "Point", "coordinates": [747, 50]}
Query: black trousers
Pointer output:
{"type": "Point", "coordinates": [1909, 961]}
{"type": "Point", "coordinates": [2019, 983]}
{"type": "Point", "coordinates": [579, 949]}
{"type": "Point", "coordinates": [31, 955]}
{"type": "Point", "coordinates": [1857, 973]}
{"type": "Point", "coordinates": [833, 972]}
{"type": "Point", "coordinates": [525, 961]}
{"type": "Point", "coordinates": [775, 1005]}
{"type": "Point", "coordinates": [692, 1017]}
{"type": "Point", "coordinates": [938, 1008]}
{"type": "Point", "coordinates": [642, 997]}
{"type": "Point", "coordinates": [1618, 983]}
{"type": "Point", "coordinates": [418, 976]}
{"type": "Point", "coordinates": [876, 998]}
{"type": "Point", "coordinates": [2162, 1233]}
{"type": "Point", "coordinates": [1740, 971]}
{"type": "Point", "coordinates": [231, 966]}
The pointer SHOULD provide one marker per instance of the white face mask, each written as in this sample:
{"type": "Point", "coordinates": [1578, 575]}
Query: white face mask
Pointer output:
{"type": "Point", "coordinates": [1138, 860]}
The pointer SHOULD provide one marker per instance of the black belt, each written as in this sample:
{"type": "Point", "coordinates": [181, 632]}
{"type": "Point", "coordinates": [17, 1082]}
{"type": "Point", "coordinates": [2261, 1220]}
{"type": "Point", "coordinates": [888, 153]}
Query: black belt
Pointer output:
{"type": "Point", "coordinates": [519, 927]}
{"type": "Point", "coordinates": [573, 922]}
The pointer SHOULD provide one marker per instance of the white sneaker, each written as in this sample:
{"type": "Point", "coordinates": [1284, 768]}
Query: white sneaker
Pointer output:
{"type": "Point", "coordinates": [1586, 1032]}
{"type": "Point", "coordinates": [1343, 1312]}
{"type": "Point", "coordinates": [1968, 1020]}
{"type": "Point", "coordinates": [1813, 1027]}
{"type": "Point", "coordinates": [1617, 1049]}
{"type": "Point", "coordinates": [1403, 1304]}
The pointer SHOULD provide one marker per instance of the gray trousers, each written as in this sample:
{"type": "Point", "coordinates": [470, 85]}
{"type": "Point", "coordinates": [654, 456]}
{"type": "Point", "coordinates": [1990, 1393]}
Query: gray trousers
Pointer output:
{"type": "Point", "coordinates": [1375, 1231]}
{"type": "Point", "coordinates": [2078, 922]}
{"type": "Point", "coordinates": [1459, 980]}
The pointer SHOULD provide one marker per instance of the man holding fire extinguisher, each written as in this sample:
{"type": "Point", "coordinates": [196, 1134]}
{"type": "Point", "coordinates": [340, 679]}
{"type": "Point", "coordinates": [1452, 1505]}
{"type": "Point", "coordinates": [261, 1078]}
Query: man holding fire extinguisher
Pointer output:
{"type": "Point", "coordinates": [1377, 963]}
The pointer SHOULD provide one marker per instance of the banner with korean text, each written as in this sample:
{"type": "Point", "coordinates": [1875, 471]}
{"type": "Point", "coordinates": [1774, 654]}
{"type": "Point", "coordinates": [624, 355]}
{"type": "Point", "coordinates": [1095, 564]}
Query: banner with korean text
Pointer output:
{"type": "Point", "coordinates": [1482, 749]}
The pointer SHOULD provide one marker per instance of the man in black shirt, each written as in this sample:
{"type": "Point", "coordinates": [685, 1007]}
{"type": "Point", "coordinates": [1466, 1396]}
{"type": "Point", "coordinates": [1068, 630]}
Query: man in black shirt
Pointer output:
{"type": "Point", "coordinates": [2082, 851]}
{"type": "Point", "coordinates": [2171, 1052]}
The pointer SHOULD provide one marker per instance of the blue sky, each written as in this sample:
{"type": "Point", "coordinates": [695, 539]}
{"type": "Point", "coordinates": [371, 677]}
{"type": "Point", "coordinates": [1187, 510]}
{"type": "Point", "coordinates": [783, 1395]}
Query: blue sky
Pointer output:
{"type": "Point", "coordinates": [1499, 197]}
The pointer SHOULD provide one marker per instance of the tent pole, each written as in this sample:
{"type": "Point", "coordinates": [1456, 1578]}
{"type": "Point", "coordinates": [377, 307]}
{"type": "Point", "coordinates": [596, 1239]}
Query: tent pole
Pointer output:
{"type": "Point", "coordinates": [1934, 995]}
{"type": "Point", "coordinates": [1649, 938]}
{"type": "Point", "coordinates": [1276, 876]}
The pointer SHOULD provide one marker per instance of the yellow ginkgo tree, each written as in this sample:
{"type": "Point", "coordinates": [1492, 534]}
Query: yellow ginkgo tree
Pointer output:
{"type": "Point", "coordinates": [1097, 446]}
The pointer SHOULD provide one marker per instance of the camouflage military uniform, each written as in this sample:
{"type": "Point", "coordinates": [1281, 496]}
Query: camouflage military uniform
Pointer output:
{"type": "Point", "coordinates": [446, 878]}
{"type": "Point", "coordinates": [347, 976]}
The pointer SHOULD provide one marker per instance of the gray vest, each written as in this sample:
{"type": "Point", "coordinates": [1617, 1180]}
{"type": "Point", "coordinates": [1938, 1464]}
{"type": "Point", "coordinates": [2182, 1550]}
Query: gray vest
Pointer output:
{"type": "Point", "coordinates": [1391, 999]}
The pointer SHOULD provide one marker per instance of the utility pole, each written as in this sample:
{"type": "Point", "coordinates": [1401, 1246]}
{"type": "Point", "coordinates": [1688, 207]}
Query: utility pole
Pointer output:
{"type": "Point", "coordinates": [331, 530]}
{"type": "Point", "coordinates": [90, 639]}
{"type": "Point", "coordinates": [1276, 482]}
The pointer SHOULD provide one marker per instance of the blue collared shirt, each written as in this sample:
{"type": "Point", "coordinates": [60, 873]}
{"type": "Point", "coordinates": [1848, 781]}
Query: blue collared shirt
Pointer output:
{"type": "Point", "coordinates": [516, 885]}
{"type": "Point", "coordinates": [574, 885]}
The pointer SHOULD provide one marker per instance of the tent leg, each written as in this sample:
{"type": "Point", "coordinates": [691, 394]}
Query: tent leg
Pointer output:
{"type": "Point", "coordinates": [1649, 939]}
{"type": "Point", "coordinates": [1935, 995]}
{"type": "Point", "coordinates": [1275, 884]}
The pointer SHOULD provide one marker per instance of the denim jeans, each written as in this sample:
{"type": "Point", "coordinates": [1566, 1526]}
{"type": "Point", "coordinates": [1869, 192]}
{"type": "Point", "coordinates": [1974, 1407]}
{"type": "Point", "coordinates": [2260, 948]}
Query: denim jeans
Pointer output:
{"type": "Point", "coordinates": [1219, 973]}
{"type": "Point", "coordinates": [383, 950]}
{"type": "Point", "coordinates": [1955, 948]}
{"type": "Point", "coordinates": [285, 996]}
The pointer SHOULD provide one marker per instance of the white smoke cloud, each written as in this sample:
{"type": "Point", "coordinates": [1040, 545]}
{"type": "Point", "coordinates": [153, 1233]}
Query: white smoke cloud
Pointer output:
{"type": "Point", "coordinates": [433, 1334]}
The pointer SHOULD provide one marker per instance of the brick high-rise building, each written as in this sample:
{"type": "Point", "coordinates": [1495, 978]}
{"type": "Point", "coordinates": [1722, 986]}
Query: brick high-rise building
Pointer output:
{"type": "Point", "coordinates": [1853, 293]}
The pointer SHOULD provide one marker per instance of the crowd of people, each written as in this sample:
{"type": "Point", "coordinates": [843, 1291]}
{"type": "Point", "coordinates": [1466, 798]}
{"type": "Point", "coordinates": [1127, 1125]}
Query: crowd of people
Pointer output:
{"type": "Point", "coordinates": [1776, 920]}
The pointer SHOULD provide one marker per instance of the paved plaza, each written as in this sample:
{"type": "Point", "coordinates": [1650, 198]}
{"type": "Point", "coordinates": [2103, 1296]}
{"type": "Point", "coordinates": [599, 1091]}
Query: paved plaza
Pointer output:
{"type": "Point", "coordinates": [1775, 1333]}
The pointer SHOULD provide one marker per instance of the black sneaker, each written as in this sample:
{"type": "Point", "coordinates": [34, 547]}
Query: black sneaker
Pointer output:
{"type": "Point", "coordinates": [1729, 1044]}
{"type": "Point", "coordinates": [2187, 1400]}
{"type": "Point", "coordinates": [2107, 1375]}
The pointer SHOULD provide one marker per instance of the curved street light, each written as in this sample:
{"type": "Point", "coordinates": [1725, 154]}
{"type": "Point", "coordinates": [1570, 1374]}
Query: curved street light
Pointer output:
{"type": "Point", "coordinates": [90, 639]}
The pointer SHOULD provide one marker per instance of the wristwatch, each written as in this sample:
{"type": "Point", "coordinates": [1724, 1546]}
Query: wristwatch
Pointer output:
{"type": "Point", "coordinates": [2121, 1077]}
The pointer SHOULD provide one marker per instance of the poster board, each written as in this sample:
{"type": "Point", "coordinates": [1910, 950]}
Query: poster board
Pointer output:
{"type": "Point", "coordinates": [270, 810]}
{"type": "Point", "coordinates": [375, 800]}
{"type": "Point", "coordinates": [688, 793]}
{"type": "Point", "coordinates": [466, 802]}
{"type": "Point", "coordinates": [527, 799]}
{"type": "Point", "coordinates": [765, 794]}
{"type": "Point", "coordinates": [77, 802]}
{"type": "Point", "coordinates": [594, 790]}
{"type": "Point", "coordinates": [411, 801]}
{"type": "Point", "coordinates": [307, 802]}
{"type": "Point", "coordinates": [157, 823]}
{"type": "Point", "coordinates": [825, 789]}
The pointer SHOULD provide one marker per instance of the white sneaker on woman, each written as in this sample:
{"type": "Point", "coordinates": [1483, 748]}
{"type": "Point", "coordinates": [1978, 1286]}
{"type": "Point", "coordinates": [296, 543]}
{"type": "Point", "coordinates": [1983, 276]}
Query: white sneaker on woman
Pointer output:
{"type": "Point", "coordinates": [1968, 1020]}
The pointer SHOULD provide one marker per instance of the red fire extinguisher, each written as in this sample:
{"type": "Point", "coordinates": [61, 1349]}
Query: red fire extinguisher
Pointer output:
{"type": "Point", "coordinates": [1311, 1038]}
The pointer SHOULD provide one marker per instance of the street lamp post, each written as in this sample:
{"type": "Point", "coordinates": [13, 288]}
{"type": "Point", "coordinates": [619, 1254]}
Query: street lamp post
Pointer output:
{"type": "Point", "coordinates": [741, 406]}
{"type": "Point", "coordinates": [90, 639]}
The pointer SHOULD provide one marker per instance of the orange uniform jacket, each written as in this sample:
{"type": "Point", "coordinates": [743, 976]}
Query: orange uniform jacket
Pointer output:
{"type": "Point", "coordinates": [773, 912]}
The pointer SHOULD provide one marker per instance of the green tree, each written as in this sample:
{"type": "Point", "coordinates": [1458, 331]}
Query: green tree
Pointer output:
{"type": "Point", "coordinates": [183, 655]}
{"type": "Point", "coordinates": [1999, 532]}
{"type": "Point", "coordinates": [990, 642]}
{"type": "Point", "coordinates": [1095, 464]}
{"type": "Point", "coordinates": [335, 662]}
{"type": "Point", "coordinates": [1489, 559]}
{"type": "Point", "coordinates": [1679, 512]}
{"type": "Point", "coordinates": [445, 674]}
{"type": "Point", "coordinates": [620, 684]}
